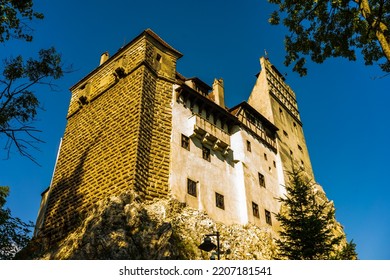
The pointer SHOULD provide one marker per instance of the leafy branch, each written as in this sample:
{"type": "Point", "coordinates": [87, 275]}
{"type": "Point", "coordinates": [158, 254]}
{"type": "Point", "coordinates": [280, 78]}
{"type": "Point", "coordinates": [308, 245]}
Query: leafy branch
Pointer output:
{"type": "Point", "coordinates": [14, 233]}
{"type": "Point", "coordinates": [18, 102]}
{"type": "Point", "coordinates": [334, 28]}
{"type": "Point", "coordinates": [14, 15]}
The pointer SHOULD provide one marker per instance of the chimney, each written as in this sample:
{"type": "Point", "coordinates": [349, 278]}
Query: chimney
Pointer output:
{"type": "Point", "coordinates": [218, 92]}
{"type": "Point", "coordinates": [104, 57]}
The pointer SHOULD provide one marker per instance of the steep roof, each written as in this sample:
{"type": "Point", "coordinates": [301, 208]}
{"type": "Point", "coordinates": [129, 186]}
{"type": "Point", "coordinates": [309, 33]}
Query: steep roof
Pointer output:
{"type": "Point", "coordinates": [148, 32]}
{"type": "Point", "coordinates": [246, 106]}
{"type": "Point", "coordinates": [158, 39]}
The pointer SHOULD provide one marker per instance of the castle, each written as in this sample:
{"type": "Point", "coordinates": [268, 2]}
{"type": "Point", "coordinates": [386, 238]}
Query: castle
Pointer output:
{"type": "Point", "coordinates": [134, 122]}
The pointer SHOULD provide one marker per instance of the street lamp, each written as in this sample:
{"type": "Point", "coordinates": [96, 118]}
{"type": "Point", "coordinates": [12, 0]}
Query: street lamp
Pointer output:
{"type": "Point", "coordinates": [208, 246]}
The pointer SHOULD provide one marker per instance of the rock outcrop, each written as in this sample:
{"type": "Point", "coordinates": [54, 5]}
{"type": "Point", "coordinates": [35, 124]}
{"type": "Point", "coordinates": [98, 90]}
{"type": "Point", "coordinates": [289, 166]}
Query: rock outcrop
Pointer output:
{"type": "Point", "coordinates": [125, 227]}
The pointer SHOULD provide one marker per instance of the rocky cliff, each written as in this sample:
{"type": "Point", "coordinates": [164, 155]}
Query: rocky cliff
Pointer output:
{"type": "Point", "coordinates": [124, 227]}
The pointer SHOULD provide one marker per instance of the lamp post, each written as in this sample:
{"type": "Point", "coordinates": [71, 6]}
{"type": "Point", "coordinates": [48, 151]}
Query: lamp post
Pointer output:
{"type": "Point", "coordinates": [208, 246]}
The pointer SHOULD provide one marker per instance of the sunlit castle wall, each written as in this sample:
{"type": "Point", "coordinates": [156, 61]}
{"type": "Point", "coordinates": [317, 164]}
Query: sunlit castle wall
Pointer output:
{"type": "Point", "coordinates": [117, 135]}
{"type": "Point", "coordinates": [224, 161]}
{"type": "Point", "coordinates": [136, 123]}
{"type": "Point", "coordinates": [272, 97]}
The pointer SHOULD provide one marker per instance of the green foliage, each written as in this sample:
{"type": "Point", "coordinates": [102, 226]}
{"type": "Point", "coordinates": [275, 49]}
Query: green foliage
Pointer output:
{"type": "Point", "coordinates": [14, 233]}
{"type": "Point", "coordinates": [13, 16]}
{"type": "Point", "coordinates": [334, 28]}
{"type": "Point", "coordinates": [18, 102]}
{"type": "Point", "coordinates": [306, 223]}
{"type": "Point", "coordinates": [348, 252]}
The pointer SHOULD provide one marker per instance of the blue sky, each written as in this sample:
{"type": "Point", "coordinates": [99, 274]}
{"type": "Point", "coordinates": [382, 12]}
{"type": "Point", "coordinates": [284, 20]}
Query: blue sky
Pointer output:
{"type": "Point", "coordinates": [343, 105]}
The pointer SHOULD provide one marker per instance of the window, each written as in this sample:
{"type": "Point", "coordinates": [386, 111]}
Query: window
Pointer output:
{"type": "Point", "coordinates": [274, 164]}
{"type": "Point", "coordinates": [219, 201]}
{"type": "Point", "coordinates": [158, 58]}
{"type": "Point", "coordinates": [265, 156]}
{"type": "Point", "coordinates": [206, 153]}
{"type": "Point", "coordinates": [295, 128]}
{"type": "Point", "coordinates": [268, 219]}
{"type": "Point", "coordinates": [300, 148]}
{"type": "Point", "coordinates": [285, 133]}
{"type": "Point", "coordinates": [185, 142]}
{"type": "Point", "coordinates": [248, 146]}
{"type": "Point", "coordinates": [191, 187]}
{"type": "Point", "coordinates": [281, 115]}
{"type": "Point", "coordinates": [255, 210]}
{"type": "Point", "coordinates": [208, 115]}
{"type": "Point", "coordinates": [261, 180]}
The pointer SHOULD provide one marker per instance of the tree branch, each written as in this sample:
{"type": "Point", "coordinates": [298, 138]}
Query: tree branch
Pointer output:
{"type": "Point", "coordinates": [20, 143]}
{"type": "Point", "coordinates": [376, 24]}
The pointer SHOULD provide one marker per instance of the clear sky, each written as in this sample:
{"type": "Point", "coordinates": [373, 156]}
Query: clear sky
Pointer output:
{"type": "Point", "coordinates": [343, 105]}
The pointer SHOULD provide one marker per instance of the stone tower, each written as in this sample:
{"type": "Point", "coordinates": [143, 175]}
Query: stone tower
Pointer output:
{"type": "Point", "coordinates": [117, 134]}
{"type": "Point", "coordinates": [274, 99]}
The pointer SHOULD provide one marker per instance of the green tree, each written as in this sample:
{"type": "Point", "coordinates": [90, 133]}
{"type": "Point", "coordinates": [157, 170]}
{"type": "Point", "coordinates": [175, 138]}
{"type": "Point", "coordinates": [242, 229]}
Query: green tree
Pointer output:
{"type": "Point", "coordinates": [307, 223]}
{"type": "Point", "coordinates": [14, 233]}
{"type": "Point", "coordinates": [14, 16]}
{"type": "Point", "coordinates": [334, 28]}
{"type": "Point", "coordinates": [19, 78]}
{"type": "Point", "coordinates": [18, 103]}
{"type": "Point", "coordinates": [348, 252]}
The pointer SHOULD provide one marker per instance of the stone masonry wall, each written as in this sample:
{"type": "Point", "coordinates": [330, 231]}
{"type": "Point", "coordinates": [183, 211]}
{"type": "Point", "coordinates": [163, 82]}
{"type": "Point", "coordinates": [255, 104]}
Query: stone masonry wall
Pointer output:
{"type": "Point", "coordinates": [154, 137]}
{"type": "Point", "coordinates": [118, 140]}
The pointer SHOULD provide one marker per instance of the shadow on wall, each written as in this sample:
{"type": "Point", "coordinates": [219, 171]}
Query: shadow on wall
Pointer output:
{"type": "Point", "coordinates": [66, 201]}
{"type": "Point", "coordinates": [229, 158]}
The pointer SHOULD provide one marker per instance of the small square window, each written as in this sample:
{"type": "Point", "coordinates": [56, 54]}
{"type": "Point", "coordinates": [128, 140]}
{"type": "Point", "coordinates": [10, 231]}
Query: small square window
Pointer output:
{"type": "Point", "coordinates": [191, 187]}
{"type": "Point", "coordinates": [300, 148]}
{"type": "Point", "coordinates": [268, 219]}
{"type": "Point", "coordinates": [206, 153]}
{"type": "Point", "coordinates": [274, 164]}
{"type": "Point", "coordinates": [265, 156]}
{"type": "Point", "coordinates": [185, 142]}
{"type": "Point", "coordinates": [219, 201]}
{"type": "Point", "coordinates": [261, 180]}
{"type": "Point", "coordinates": [159, 58]}
{"type": "Point", "coordinates": [248, 146]}
{"type": "Point", "coordinates": [255, 210]}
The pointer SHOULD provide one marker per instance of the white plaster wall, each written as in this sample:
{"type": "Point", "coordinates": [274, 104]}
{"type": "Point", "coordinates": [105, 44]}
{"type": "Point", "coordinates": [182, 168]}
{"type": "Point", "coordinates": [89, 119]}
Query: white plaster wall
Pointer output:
{"type": "Point", "coordinates": [235, 177]}
{"type": "Point", "coordinates": [252, 163]}
{"type": "Point", "coordinates": [218, 175]}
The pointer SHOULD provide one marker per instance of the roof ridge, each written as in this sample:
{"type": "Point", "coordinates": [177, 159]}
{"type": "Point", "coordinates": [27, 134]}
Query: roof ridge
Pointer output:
{"type": "Point", "coordinates": [161, 41]}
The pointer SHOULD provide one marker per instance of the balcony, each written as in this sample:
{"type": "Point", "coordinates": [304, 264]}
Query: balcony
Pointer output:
{"type": "Point", "coordinates": [210, 134]}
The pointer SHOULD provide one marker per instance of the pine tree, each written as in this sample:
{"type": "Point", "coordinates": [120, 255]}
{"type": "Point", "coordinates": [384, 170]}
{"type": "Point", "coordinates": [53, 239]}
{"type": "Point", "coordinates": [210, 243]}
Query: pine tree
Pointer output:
{"type": "Point", "coordinates": [307, 224]}
{"type": "Point", "coordinates": [348, 252]}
